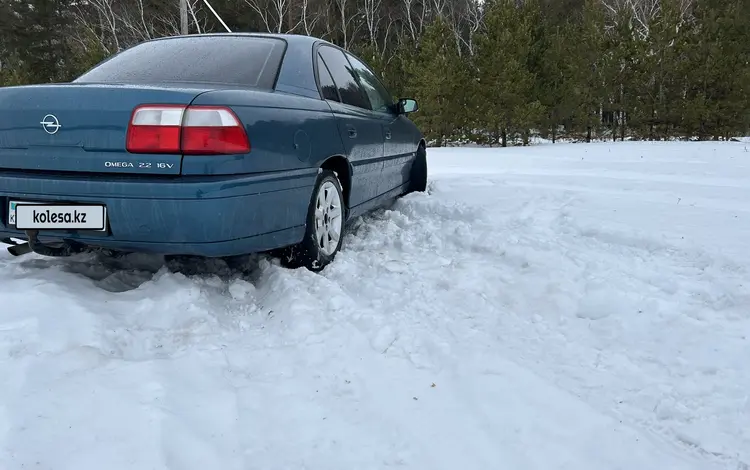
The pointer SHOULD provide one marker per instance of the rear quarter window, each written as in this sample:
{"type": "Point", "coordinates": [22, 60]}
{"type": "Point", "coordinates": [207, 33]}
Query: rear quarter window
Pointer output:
{"type": "Point", "coordinates": [221, 60]}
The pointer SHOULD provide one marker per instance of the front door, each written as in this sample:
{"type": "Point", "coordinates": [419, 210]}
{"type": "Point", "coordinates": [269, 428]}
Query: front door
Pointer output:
{"type": "Point", "coordinates": [401, 148]}
{"type": "Point", "coordinates": [361, 131]}
{"type": "Point", "coordinates": [398, 134]}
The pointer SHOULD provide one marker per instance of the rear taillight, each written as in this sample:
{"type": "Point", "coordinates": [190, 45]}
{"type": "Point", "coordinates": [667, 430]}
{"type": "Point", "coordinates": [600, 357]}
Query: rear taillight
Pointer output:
{"type": "Point", "coordinates": [155, 129]}
{"type": "Point", "coordinates": [191, 130]}
{"type": "Point", "coordinates": [209, 130]}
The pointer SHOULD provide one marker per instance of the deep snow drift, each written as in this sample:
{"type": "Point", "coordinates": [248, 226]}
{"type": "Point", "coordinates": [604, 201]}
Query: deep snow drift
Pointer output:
{"type": "Point", "coordinates": [562, 306]}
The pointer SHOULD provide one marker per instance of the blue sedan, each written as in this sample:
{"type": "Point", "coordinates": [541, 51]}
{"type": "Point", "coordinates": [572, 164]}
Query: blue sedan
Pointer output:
{"type": "Point", "coordinates": [211, 145]}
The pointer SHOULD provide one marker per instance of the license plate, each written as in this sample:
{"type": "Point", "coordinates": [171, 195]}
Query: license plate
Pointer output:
{"type": "Point", "coordinates": [41, 216]}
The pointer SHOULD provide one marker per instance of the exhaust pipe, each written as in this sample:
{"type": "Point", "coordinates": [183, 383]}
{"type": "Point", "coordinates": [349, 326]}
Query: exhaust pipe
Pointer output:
{"type": "Point", "coordinates": [68, 247]}
{"type": "Point", "coordinates": [15, 248]}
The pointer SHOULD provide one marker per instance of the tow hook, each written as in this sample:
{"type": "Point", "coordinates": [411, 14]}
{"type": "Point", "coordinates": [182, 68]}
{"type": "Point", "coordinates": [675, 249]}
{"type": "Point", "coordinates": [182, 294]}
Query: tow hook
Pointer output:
{"type": "Point", "coordinates": [68, 247]}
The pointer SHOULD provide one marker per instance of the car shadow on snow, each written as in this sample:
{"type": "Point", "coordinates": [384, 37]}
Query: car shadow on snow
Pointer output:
{"type": "Point", "coordinates": [115, 272]}
{"type": "Point", "coordinates": [122, 272]}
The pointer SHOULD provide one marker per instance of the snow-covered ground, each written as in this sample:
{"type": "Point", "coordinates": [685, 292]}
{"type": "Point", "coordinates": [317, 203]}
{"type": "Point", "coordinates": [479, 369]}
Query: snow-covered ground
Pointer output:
{"type": "Point", "coordinates": [563, 306]}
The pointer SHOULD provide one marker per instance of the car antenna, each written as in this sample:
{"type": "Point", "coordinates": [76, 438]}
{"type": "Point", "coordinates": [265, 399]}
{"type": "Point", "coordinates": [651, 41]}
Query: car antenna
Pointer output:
{"type": "Point", "coordinates": [217, 15]}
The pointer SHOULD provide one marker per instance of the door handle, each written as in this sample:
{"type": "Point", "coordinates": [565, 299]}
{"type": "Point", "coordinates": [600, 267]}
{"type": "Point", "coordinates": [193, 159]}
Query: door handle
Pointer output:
{"type": "Point", "coordinates": [352, 132]}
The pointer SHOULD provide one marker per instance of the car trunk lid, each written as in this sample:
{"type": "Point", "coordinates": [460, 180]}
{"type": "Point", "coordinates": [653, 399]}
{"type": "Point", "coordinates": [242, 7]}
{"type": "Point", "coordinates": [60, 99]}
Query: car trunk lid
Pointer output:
{"type": "Point", "coordinates": [81, 128]}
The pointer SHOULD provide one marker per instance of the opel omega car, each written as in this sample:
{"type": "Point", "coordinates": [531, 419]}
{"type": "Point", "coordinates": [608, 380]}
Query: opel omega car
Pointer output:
{"type": "Point", "coordinates": [210, 145]}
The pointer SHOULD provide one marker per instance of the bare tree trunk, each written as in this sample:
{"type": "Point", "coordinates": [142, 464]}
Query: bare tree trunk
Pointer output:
{"type": "Point", "coordinates": [615, 122]}
{"type": "Point", "coordinates": [183, 17]}
{"type": "Point", "coordinates": [371, 12]}
{"type": "Point", "coordinates": [271, 12]}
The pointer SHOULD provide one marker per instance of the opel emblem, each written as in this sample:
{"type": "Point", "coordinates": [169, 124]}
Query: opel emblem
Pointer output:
{"type": "Point", "coordinates": [50, 124]}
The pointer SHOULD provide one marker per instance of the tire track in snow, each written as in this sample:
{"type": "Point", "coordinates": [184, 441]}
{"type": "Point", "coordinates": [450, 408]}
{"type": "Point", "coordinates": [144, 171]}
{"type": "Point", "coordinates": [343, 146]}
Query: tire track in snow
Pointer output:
{"type": "Point", "coordinates": [538, 232]}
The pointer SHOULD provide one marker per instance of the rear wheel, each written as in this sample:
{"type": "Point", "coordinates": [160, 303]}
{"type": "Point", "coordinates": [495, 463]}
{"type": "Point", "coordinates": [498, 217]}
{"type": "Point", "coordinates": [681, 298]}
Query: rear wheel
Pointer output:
{"type": "Point", "coordinates": [324, 228]}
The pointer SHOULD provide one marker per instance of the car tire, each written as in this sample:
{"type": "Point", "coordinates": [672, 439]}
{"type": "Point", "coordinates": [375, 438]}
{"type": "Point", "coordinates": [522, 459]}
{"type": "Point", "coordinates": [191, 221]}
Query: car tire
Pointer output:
{"type": "Point", "coordinates": [326, 216]}
{"type": "Point", "coordinates": [418, 172]}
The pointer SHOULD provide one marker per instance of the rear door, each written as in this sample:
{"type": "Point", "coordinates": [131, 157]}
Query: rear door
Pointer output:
{"type": "Point", "coordinates": [361, 130]}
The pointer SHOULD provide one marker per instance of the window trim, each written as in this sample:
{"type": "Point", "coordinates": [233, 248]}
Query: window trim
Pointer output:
{"type": "Point", "coordinates": [390, 107]}
{"type": "Point", "coordinates": [318, 59]}
{"type": "Point", "coordinates": [316, 50]}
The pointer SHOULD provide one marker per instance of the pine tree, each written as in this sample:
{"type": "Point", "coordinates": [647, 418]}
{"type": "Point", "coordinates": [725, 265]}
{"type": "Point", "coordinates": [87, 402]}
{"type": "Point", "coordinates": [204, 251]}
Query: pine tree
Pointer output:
{"type": "Point", "coordinates": [555, 77]}
{"type": "Point", "coordinates": [588, 89]}
{"type": "Point", "coordinates": [662, 72]}
{"type": "Point", "coordinates": [505, 87]}
{"type": "Point", "coordinates": [439, 80]}
{"type": "Point", "coordinates": [621, 67]}
{"type": "Point", "coordinates": [719, 54]}
{"type": "Point", "coordinates": [37, 38]}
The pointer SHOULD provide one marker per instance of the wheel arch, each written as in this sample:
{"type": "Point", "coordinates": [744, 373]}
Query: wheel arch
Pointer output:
{"type": "Point", "coordinates": [340, 165]}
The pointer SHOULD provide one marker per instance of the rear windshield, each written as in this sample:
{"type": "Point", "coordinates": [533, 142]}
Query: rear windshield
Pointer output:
{"type": "Point", "coordinates": [221, 60]}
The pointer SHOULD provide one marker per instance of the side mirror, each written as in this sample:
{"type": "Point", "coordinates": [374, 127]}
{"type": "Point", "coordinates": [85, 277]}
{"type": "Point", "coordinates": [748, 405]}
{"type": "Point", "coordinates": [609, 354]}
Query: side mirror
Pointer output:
{"type": "Point", "coordinates": [407, 105]}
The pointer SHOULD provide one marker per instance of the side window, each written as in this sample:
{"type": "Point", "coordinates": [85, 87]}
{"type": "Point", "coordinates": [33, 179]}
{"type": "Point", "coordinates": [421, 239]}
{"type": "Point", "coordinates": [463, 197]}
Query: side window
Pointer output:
{"type": "Point", "coordinates": [327, 85]}
{"type": "Point", "coordinates": [343, 75]}
{"type": "Point", "coordinates": [379, 97]}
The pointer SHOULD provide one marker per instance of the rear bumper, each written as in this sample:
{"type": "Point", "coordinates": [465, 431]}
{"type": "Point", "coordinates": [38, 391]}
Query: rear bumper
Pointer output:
{"type": "Point", "coordinates": [204, 216]}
